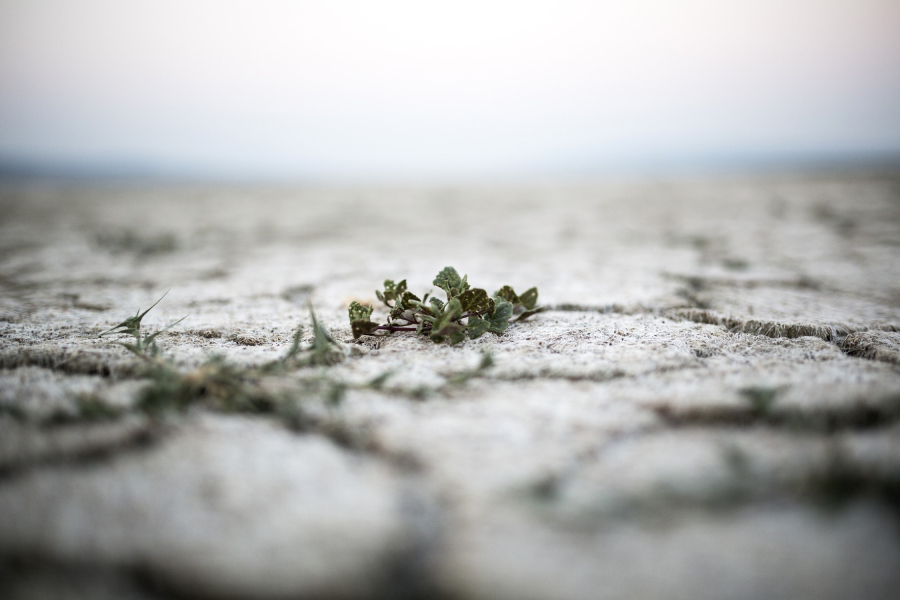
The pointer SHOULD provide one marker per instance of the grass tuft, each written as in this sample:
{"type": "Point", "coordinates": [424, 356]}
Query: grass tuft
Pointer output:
{"type": "Point", "coordinates": [144, 345]}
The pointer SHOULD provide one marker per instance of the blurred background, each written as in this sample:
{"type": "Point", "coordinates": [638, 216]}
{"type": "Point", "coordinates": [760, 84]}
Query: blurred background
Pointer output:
{"type": "Point", "coordinates": [366, 92]}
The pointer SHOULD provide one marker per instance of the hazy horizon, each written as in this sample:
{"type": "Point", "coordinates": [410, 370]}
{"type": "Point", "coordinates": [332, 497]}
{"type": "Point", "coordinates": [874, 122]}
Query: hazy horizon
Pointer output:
{"type": "Point", "coordinates": [404, 92]}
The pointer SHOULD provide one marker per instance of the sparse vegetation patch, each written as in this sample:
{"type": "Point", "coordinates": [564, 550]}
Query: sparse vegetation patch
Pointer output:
{"type": "Point", "coordinates": [143, 344]}
{"type": "Point", "coordinates": [223, 386]}
{"type": "Point", "coordinates": [466, 311]}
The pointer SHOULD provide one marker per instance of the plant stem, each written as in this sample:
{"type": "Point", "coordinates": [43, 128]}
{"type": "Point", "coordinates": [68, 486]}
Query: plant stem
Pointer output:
{"type": "Point", "coordinates": [429, 321]}
{"type": "Point", "coordinates": [393, 328]}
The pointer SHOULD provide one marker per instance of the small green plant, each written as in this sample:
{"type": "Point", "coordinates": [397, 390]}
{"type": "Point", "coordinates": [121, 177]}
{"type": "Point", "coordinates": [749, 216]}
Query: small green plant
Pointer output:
{"type": "Point", "coordinates": [144, 345]}
{"type": "Point", "coordinates": [467, 310]}
{"type": "Point", "coordinates": [218, 383]}
{"type": "Point", "coordinates": [322, 351]}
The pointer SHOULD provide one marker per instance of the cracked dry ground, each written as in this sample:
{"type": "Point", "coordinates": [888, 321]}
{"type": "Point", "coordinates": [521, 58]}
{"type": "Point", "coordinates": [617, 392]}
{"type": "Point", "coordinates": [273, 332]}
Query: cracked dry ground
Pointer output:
{"type": "Point", "coordinates": [710, 408]}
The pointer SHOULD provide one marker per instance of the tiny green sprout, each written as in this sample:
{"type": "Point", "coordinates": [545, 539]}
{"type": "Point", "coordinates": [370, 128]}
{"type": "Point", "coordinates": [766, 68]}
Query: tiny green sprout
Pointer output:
{"type": "Point", "coordinates": [467, 311]}
{"type": "Point", "coordinates": [323, 350]}
{"type": "Point", "coordinates": [144, 345]}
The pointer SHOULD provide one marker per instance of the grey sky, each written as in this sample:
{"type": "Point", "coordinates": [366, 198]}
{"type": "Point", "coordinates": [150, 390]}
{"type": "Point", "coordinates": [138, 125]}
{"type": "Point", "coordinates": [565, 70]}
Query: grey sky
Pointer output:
{"type": "Point", "coordinates": [419, 91]}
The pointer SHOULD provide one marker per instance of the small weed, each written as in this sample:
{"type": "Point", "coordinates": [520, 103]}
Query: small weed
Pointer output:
{"type": "Point", "coordinates": [467, 310]}
{"type": "Point", "coordinates": [223, 386]}
{"type": "Point", "coordinates": [220, 385]}
{"type": "Point", "coordinates": [144, 345]}
{"type": "Point", "coordinates": [323, 351]}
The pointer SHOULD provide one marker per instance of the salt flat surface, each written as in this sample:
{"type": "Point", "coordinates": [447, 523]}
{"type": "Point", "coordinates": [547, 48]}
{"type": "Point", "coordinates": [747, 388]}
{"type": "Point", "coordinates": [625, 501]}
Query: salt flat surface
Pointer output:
{"type": "Point", "coordinates": [709, 408]}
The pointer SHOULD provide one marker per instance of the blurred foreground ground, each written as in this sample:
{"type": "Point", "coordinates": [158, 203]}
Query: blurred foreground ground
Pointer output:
{"type": "Point", "coordinates": [710, 408]}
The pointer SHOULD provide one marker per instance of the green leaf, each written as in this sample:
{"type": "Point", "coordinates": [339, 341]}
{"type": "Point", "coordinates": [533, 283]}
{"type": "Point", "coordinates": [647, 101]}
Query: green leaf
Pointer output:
{"type": "Point", "coordinates": [495, 322]}
{"type": "Point", "coordinates": [143, 345]}
{"type": "Point", "coordinates": [449, 281]}
{"type": "Point", "coordinates": [362, 327]}
{"type": "Point", "coordinates": [452, 311]}
{"type": "Point", "coordinates": [406, 301]}
{"type": "Point", "coordinates": [508, 294]}
{"type": "Point", "coordinates": [295, 344]}
{"type": "Point", "coordinates": [499, 319]}
{"type": "Point", "coordinates": [458, 335]}
{"type": "Point", "coordinates": [132, 325]}
{"type": "Point", "coordinates": [528, 313]}
{"type": "Point", "coordinates": [358, 312]}
{"type": "Point", "coordinates": [477, 327]}
{"type": "Point", "coordinates": [325, 351]}
{"type": "Point", "coordinates": [445, 325]}
{"type": "Point", "coordinates": [437, 306]}
{"type": "Point", "coordinates": [135, 348]}
{"type": "Point", "coordinates": [529, 298]}
{"type": "Point", "coordinates": [475, 301]}
{"type": "Point", "coordinates": [452, 331]}
{"type": "Point", "coordinates": [321, 338]}
{"type": "Point", "coordinates": [392, 291]}
{"type": "Point", "coordinates": [150, 339]}
{"type": "Point", "coordinates": [526, 304]}
{"type": "Point", "coordinates": [360, 319]}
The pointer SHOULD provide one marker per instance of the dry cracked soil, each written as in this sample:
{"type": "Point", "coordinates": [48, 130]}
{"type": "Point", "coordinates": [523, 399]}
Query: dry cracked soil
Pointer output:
{"type": "Point", "coordinates": [708, 408]}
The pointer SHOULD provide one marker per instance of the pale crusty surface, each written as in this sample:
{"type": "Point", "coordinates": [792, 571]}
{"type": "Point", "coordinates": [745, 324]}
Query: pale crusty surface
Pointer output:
{"type": "Point", "coordinates": [710, 408]}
